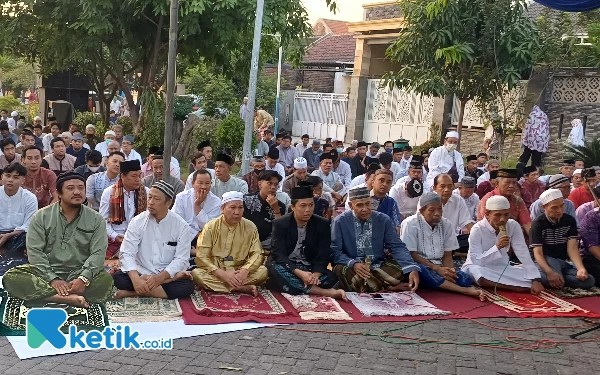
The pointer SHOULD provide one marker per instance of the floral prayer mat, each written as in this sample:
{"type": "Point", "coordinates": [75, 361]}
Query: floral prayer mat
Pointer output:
{"type": "Point", "coordinates": [237, 304]}
{"type": "Point", "coordinates": [311, 307]}
{"type": "Point", "coordinates": [567, 293]}
{"type": "Point", "coordinates": [7, 263]}
{"type": "Point", "coordinates": [13, 312]}
{"type": "Point", "coordinates": [112, 265]}
{"type": "Point", "coordinates": [143, 309]}
{"type": "Point", "coordinates": [545, 305]}
{"type": "Point", "coordinates": [393, 304]}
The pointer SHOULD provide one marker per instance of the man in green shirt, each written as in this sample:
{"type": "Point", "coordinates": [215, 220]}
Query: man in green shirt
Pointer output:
{"type": "Point", "coordinates": [66, 245]}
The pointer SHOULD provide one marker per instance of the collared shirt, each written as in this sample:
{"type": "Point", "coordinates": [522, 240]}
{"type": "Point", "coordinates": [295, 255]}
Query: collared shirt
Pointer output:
{"type": "Point", "coordinates": [536, 209]}
{"type": "Point", "coordinates": [589, 231]}
{"type": "Point", "coordinates": [580, 196]}
{"type": "Point", "coordinates": [5, 163]}
{"type": "Point", "coordinates": [261, 214]}
{"type": "Point", "coordinates": [16, 211]}
{"type": "Point", "coordinates": [553, 237]}
{"type": "Point", "coordinates": [301, 148]}
{"type": "Point", "coordinates": [59, 249]}
{"type": "Point", "coordinates": [441, 161]}
{"type": "Point", "coordinates": [518, 210]}
{"type": "Point", "coordinates": [95, 186]}
{"type": "Point", "coordinates": [101, 147]}
{"type": "Point", "coordinates": [581, 210]}
{"type": "Point", "coordinates": [251, 179]}
{"type": "Point", "coordinates": [42, 185]}
{"type": "Point", "coordinates": [344, 171]}
{"type": "Point", "coordinates": [151, 247]}
{"type": "Point", "coordinates": [219, 240]}
{"type": "Point", "coordinates": [113, 230]}
{"type": "Point", "coordinates": [46, 142]}
{"type": "Point", "coordinates": [428, 242]}
{"type": "Point", "coordinates": [58, 166]}
{"type": "Point", "coordinates": [404, 164]}
{"type": "Point", "coordinates": [233, 184]}
{"type": "Point", "coordinates": [406, 204]}
{"type": "Point", "coordinates": [331, 180]}
{"type": "Point", "coordinates": [312, 159]}
{"type": "Point", "coordinates": [472, 203]}
{"type": "Point", "coordinates": [134, 155]}
{"type": "Point", "coordinates": [175, 169]}
{"type": "Point", "coordinates": [531, 192]}
{"type": "Point", "coordinates": [12, 136]}
{"type": "Point", "coordinates": [178, 186]}
{"type": "Point", "coordinates": [209, 209]}
{"type": "Point", "coordinates": [262, 148]}
{"type": "Point", "coordinates": [279, 169]}
{"type": "Point", "coordinates": [457, 212]}
{"type": "Point", "coordinates": [287, 155]}
{"type": "Point", "coordinates": [189, 182]}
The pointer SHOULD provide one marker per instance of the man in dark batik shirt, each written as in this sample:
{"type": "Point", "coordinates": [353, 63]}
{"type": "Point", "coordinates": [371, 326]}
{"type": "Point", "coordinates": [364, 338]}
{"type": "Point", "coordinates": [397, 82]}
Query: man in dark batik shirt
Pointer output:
{"type": "Point", "coordinates": [263, 207]}
{"type": "Point", "coordinates": [258, 165]}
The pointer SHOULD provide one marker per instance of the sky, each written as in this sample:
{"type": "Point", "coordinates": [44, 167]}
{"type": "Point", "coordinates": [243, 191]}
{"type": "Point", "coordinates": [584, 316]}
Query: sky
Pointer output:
{"type": "Point", "coordinates": [348, 10]}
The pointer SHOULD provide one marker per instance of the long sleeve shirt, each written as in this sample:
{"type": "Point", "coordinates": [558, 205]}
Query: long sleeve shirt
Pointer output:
{"type": "Point", "coordinates": [134, 155]}
{"type": "Point", "coordinates": [312, 159]}
{"type": "Point", "coordinates": [287, 155]}
{"type": "Point", "coordinates": [151, 247]}
{"type": "Point", "coordinates": [531, 192]}
{"type": "Point", "coordinates": [184, 207]}
{"type": "Point", "coordinates": [189, 182]}
{"type": "Point", "coordinates": [580, 196]}
{"type": "Point", "coordinates": [279, 169]}
{"type": "Point", "coordinates": [589, 231]}
{"type": "Point", "coordinates": [67, 250]}
{"type": "Point", "coordinates": [219, 240]}
{"type": "Point", "coordinates": [472, 203]}
{"type": "Point", "coordinates": [536, 209]}
{"type": "Point", "coordinates": [344, 244]}
{"type": "Point", "coordinates": [441, 161]}
{"type": "Point", "coordinates": [16, 211]}
{"type": "Point", "coordinates": [345, 173]}
{"type": "Point", "coordinates": [331, 180]}
{"type": "Point", "coordinates": [113, 230]}
{"type": "Point", "coordinates": [95, 186]}
{"type": "Point", "coordinates": [233, 184]}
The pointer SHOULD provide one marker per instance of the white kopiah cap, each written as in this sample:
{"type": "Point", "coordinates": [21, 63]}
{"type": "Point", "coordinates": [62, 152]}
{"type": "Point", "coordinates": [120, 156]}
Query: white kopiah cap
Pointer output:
{"type": "Point", "coordinates": [496, 203]}
{"type": "Point", "coordinates": [300, 163]}
{"type": "Point", "coordinates": [550, 195]}
{"type": "Point", "coordinates": [231, 196]}
{"type": "Point", "coordinates": [14, 114]}
{"type": "Point", "coordinates": [452, 134]}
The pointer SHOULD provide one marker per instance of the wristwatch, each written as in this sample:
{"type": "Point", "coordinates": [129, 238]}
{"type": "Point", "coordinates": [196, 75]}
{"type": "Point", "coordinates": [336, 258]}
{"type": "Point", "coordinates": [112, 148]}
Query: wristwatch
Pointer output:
{"type": "Point", "coordinates": [85, 280]}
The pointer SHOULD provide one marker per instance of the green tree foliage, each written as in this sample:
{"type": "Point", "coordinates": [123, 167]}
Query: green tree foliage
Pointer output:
{"type": "Point", "coordinates": [589, 152]}
{"type": "Point", "coordinates": [9, 102]}
{"type": "Point", "coordinates": [213, 88]}
{"type": "Point", "coordinates": [230, 134]}
{"type": "Point", "coordinates": [127, 41]}
{"type": "Point", "coordinates": [468, 48]}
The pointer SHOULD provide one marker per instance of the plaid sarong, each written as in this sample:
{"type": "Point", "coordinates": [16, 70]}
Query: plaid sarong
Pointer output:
{"type": "Point", "coordinates": [116, 213]}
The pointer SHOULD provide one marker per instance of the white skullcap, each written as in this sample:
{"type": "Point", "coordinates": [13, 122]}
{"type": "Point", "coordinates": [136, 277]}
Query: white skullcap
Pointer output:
{"type": "Point", "coordinates": [231, 196]}
{"type": "Point", "coordinates": [496, 203]}
{"type": "Point", "coordinates": [37, 118]}
{"type": "Point", "coordinates": [578, 171]}
{"type": "Point", "coordinates": [66, 135]}
{"type": "Point", "coordinates": [300, 163]}
{"type": "Point", "coordinates": [110, 132]}
{"type": "Point", "coordinates": [550, 195]}
{"type": "Point", "coordinates": [90, 126]}
{"type": "Point", "coordinates": [14, 113]}
{"type": "Point", "coordinates": [333, 140]}
{"type": "Point", "coordinates": [452, 134]}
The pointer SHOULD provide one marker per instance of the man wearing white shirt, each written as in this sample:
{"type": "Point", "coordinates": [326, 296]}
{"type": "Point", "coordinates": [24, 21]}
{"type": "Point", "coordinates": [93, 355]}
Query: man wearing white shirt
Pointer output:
{"type": "Point", "coordinates": [198, 205]}
{"type": "Point", "coordinates": [54, 133]}
{"type": "Point", "coordinates": [303, 146]}
{"type": "Point", "coordinates": [406, 159]}
{"type": "Point", "coordinates": [115, 105]}
{"type": "Point", "coordinates": [407, 190]}
{"type": "Point", "coordinates": [415, 170]}
{"type": "Point", "coordinates": [128, 151]}
{"type": "Point", "coordinates": [200, 163]}
{"type": "Point", "coordinates": [273, 164]}
{"type": "Point", "coordinates": [387, 162]}
{"type": "Point", "coordinates": [12, 121]}
{"type": "Point", "coordinates": [455, 209]}
{"type": "Point", "coordinates": [342, 168]}
{"type": "Point", "coordinates": [109, 135]}
{"type": "Point", "coordinates": [445, 159]}
{"type": "Point", "coordinates": [467, 192]}
{"type": "Point", "coordinates": [492, 165]}
{"type": "Point", "coordinates": [122, 201]}
{"type": "Point", "coordinates": [17, 206]}
{"type": "Point", "coordinates": [330, 178]}
{"type": "Point", "coordinates": [155, 251]}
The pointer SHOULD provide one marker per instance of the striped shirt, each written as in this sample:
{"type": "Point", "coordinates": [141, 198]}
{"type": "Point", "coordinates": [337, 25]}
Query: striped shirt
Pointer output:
{"type": "Point", "coordinates": [553, 237]}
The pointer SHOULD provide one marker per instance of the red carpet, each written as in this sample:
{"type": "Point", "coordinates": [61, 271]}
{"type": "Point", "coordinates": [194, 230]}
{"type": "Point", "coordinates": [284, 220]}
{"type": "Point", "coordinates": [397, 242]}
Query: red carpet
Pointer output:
{"type": "Point", "coordinates": [461, 306]}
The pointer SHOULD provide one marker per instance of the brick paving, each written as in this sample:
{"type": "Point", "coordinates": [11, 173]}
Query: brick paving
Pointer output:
{"type": "Point", "coordinates": [275, 351]}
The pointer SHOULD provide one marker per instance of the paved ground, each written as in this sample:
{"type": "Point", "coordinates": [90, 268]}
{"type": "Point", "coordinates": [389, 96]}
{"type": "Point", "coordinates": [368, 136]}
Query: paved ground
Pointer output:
{"type": "Point", "coordinates": [275, 351]}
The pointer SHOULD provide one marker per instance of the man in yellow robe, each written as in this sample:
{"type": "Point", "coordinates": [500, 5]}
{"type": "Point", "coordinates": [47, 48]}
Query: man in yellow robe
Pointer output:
{"type": "Point", "coordinates": [229, 253]}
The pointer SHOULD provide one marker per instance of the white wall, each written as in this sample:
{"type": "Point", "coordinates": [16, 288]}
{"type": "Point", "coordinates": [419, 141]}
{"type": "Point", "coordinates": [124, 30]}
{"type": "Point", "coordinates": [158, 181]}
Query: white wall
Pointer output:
{"type": "Point", "coordinates": [341, 83]}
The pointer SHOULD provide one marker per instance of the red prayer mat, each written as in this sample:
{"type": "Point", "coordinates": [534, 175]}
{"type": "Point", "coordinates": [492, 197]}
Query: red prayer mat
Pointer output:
{"type": "Point", "coordinates": [311, 307]}
{"type": "Point", "coordinates": [545, 305]}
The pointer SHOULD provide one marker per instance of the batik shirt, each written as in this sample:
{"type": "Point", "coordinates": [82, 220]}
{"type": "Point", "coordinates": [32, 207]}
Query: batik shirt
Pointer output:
{"type": "Point", "coordinates": [364, 235]}
{"type": "Point", "coordinates": [261, 214]}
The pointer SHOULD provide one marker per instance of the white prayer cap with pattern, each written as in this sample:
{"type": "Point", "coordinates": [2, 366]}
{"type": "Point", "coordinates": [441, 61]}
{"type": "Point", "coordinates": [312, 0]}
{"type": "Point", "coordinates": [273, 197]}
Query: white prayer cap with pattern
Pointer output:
{"type": "Point", "coordinates": [578, 171]}
{"type": "Point", "coordinates": [452, 134]}
{"type": "Point", "coordinates": [231, 196]}
{"type": "Point", "coordinates": [300, 163]}
{"type": "Point", "coordinates": [496, 203]}
{"type": "Point", "coordinates": [550, 195]}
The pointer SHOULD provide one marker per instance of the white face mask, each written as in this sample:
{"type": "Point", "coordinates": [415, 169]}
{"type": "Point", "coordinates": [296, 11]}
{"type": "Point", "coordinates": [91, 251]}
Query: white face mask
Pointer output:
{"type": "Point", "coordinates": [94, 169]}
{"type": "Point", "coordinates": [450, 147]}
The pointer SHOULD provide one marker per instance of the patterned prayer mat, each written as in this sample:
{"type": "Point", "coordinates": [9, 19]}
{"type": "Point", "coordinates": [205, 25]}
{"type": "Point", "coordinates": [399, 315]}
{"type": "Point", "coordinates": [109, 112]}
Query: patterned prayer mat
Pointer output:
{"type": "Point", "coordinates": [393, 304]}
{"type": "Point", "coordinates": [237, 304]}
{"type": "Point", "coordinates": [313, 307]}
{"type": "Point", "coordinates": [143, 309]}
{"type": "Point", "coordinates": [567, 293]}
{"type": "Point", "coordinates": [112, 265]}
{"type": "Point", "coordinates": [543, 306]}
{"type": "Point", "coordinates": [13, 312]}
{"type": "Point", "coordinates": [7, 263]}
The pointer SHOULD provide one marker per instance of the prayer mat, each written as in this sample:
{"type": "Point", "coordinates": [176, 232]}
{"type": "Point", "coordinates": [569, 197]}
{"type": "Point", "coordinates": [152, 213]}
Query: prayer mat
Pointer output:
{"type": "Point", "coordinates": [568, 293]}
{"type": "Point", "coordinates": [112, 265]}
{"type": "Point", "coordinates": [13, 312]}
{"type": "Point", "coordinates": [393, 304]}
{"type": "Point", "coordinates": [143, 309]}
{"type": "Point", "coordinates": [545, 305]}
{"type": "Point", "coordinates": [238, 305]}
{"type": "Point", "coordinates": [313, 307]}
{"type": "Point", "coordinates": [7, 263]}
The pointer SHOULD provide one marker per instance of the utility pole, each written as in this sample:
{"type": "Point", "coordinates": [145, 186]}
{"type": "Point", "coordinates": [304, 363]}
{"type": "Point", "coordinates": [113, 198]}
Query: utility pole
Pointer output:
{"type": "Point", "coordinates": [247, 151]}
{"type": "Point", "coordinates": [279, 63]}
{"type": "Point", "coordinates": [172, 62]}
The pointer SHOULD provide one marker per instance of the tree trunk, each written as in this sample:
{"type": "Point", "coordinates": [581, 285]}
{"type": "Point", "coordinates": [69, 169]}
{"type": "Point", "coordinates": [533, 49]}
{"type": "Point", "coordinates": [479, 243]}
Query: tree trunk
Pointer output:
{"type": "Point", "coordinates": [186, 141]}
{"type": "Point", "coordinates": [461, 117]}
{"type": "Point", "coordinates": [176, 133]}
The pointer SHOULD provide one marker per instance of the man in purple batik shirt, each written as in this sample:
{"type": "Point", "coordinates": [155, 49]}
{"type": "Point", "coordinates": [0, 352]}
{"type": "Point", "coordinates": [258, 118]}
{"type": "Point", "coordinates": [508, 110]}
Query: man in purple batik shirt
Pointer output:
{"type": "Point", "coordinates": [589, 231]}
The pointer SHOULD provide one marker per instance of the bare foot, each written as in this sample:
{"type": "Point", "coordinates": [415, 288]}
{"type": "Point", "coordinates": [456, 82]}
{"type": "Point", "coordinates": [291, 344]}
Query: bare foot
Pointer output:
{"type": "Point", "coordinates": [124, 294]}
{"type": "Point", "coordinates": [72, 299]}
{"type": "Point", "coordinates": [339, 294]}
{"type": "Point", "coordinates": [183, 275]}
{"type": "Point", "coordinates": [247, 289]}
{"type": "Point", "coordinates": [477, 293]}
{"type": "Point", "coordinates": [402, 287]}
